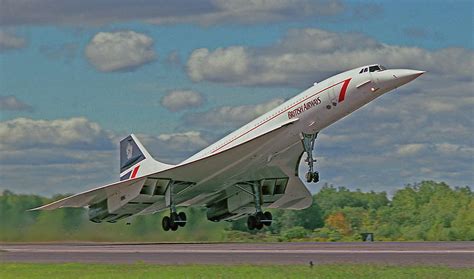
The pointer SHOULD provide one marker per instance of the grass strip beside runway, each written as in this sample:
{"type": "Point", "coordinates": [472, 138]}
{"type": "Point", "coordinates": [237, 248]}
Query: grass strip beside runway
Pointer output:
{"type": "Point", "coordinates": [141, 270]}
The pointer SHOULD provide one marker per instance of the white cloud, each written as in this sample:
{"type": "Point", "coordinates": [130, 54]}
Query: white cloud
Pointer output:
{"type": "Point", "coordinates": [12, 103]}
{"type": "Point", "coordinates": [447, 147]}
{"type": "Point", "coordinates": [254, 11]}
{"type": "Point", "coordinates": [230, 117]}
{"type": "Point", "coordinates": [10, 41]}
{"type": "Point", "coordinates": [120, 51]}
{"type": "Point", "coordinates": [334, 139]}
{"type": "Point", "coordinates": [182, 99]}
{"type": "Point", "coordinates": [306, 55]}
{"type": "Point", "coordinates": [184, 140]}
{"type": "Point", "coordinates": [75, 154]}
{"type": "Point", "coordinates": [205, 12]}
{"type": "Point", "coordinates": [222, 65]}
{"type": "Point", "coordinates": [461, 151]}
{"type": "Point", "coordinates": [439, 106]}
{"type": "Point", "coordinates": [55, 156]}
{"type": "Point", "coordinates": [74, 133]}
{"type": "Point", "coordinates": [175, 147]}
{"type": "Point", "coordinates": [410, 149]}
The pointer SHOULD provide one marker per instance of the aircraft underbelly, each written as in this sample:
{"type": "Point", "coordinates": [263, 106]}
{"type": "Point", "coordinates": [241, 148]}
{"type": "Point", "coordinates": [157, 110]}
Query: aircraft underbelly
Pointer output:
{"type": "Point", "coordinates": [276, 160]}
{"type": "Point", "coordinates": [242, 167]}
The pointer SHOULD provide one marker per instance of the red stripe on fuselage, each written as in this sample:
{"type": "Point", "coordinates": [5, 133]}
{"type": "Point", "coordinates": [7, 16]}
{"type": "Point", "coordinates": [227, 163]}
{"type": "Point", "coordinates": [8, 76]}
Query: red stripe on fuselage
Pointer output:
{"type": "Point", "coordinates": [135, 170]}
{"type": "Point", "coordinates": [342, 94]}
{"type": "Point", "coordinates": [344, 87]}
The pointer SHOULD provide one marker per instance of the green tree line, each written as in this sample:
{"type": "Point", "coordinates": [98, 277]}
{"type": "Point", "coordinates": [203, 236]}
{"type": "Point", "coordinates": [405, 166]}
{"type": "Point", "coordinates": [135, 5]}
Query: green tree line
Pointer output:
{"type": "Point", "coordinates": [423, 211]}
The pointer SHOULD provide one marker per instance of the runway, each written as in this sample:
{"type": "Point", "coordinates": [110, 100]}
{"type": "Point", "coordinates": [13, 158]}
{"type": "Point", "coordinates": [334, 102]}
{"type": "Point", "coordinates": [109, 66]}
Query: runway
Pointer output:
{"type": "Point", "coordinates": [454, 254]}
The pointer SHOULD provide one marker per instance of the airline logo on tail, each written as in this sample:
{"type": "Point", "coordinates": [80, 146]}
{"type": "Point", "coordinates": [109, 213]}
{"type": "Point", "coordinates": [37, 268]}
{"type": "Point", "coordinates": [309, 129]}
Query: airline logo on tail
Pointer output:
{"type": "Point", "coordinates": [129, 151]}
{"type": "Point", "coordinates": [130, 155]}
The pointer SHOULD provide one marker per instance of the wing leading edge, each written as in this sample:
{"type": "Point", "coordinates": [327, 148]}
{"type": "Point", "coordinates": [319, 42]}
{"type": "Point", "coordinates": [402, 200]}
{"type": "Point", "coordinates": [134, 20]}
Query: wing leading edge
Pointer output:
{"type": "Point", "coordinates": [92, 196]}
{"type": "Point", "coordinates": [198, 172]}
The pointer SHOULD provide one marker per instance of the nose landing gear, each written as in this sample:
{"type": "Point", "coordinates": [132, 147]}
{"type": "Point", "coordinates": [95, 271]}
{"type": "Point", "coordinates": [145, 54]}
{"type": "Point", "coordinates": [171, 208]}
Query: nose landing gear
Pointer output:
{"type": "Point", "coordinates": [308, 141]}
{"type": "Point", "coordinates": [312, 176]}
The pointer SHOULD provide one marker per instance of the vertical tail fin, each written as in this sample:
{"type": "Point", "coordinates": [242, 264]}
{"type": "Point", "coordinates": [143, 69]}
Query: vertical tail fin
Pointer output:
{"type": "Point", "coordinates": [135, 160]}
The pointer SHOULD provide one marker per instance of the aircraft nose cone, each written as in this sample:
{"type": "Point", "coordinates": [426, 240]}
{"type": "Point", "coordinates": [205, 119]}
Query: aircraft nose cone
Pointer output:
{"type": "Point", "coordinates": [405, 76]}
{"type": "Point", "coordinates": [411, 74]}
{"type": "Point", "coordinates": [394, 78]}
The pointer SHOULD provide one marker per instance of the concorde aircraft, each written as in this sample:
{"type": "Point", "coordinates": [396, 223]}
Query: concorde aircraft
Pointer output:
{"type": "Point", "coordinates": [253, 168]}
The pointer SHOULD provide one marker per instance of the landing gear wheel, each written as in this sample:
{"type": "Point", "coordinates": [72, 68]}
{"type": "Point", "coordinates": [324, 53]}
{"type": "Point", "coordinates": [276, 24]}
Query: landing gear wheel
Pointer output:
{"type": "Point", "coordinates": [309, 177]}
{"type": "Point", "coordinates": [173, 224]}
{"type": "Point", "coordinates": [316, 177]}
{"type": "Point", "coordinates": [268, 218]}
{"type": "Point", "coordinates": [251, 222]}
{"type": "Point", "coordinates": [165, 223]}
{"type": "Point", "coordinates": [174, 217]}
{"type": "Point", "coordinates": [182, 218]}
{"type": "Point", "coordinates": [261, 220]}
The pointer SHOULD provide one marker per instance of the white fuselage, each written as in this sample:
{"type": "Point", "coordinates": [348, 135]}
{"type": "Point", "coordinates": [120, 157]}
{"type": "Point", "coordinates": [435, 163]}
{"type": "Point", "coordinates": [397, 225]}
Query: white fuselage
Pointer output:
{"type": "Point", "coordinates": [317, 107]}
{"type": "Point", "coordinates": [267, 150]}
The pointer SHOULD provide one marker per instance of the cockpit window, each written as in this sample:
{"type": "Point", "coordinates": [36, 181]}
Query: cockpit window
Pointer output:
{"type": "Point", "coordinates": [374, 68]}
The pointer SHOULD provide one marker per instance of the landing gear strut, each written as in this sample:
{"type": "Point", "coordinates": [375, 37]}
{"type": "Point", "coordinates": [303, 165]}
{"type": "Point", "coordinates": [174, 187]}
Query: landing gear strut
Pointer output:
{"type": "Point", "coordinates": [175, 220]}
{"type": "Point", "coordinates": [259, 219]}
{"type": "Point", "coordinates": [308, 144]}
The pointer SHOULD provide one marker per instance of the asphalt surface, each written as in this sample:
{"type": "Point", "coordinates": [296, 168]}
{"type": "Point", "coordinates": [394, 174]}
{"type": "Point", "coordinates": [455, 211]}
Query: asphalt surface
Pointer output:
{"type": "Point", "coordinates": [454, 254]}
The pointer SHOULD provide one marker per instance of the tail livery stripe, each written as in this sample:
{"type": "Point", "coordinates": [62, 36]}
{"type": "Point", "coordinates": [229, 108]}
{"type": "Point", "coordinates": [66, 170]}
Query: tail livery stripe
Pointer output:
{"type": "Point", "coordinates": [135, 170]}
{"type": "Point", "coordinates": [130, 174]}
{"type": "Point", "coordinates": [342, 94]}
{"type": "Point", "coordinates": [125, 176]}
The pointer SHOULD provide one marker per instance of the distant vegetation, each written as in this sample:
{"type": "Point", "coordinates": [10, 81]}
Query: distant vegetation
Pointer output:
{"type": "Point", "coordinates": [424, 211]}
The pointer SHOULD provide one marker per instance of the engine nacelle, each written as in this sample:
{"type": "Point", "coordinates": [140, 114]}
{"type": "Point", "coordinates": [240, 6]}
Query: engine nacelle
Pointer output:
{"type": "Point", "coordinates": [218, 211]}
{"type": "Point", "coordinates": [99, 211]}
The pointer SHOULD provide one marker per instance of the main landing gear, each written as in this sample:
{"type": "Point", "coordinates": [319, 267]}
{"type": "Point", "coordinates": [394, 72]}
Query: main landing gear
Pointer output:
{"type": "Point", "coordinates": [308, 144]}
{"type": "Point", "coordinates": [175, 220]}
{"type": "Point", "coordinates": [259, 219]}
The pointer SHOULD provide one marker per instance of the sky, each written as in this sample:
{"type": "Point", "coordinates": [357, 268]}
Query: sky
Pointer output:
{"type": "Point", "coordinates": [77, 76]}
